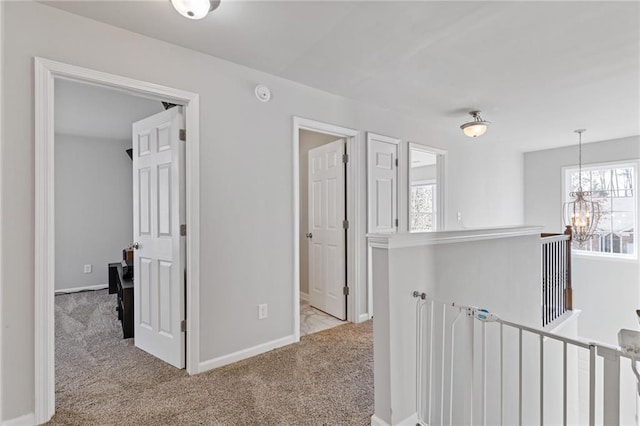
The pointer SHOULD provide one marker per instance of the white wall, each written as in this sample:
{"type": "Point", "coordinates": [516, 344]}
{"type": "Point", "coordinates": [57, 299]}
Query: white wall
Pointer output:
{"type": "Point", "coordinates": [94, 207]}
{"type": "Point", "coordinates": [607, 290]}
{"type": "Point", "coordinates": [308, 140]}
{"type": "Point", "coordinates": [246, 178]}
{"type": "Point", "coordinates": [501, 274]}
{"type": "Point", "coordinates": [424, 173]}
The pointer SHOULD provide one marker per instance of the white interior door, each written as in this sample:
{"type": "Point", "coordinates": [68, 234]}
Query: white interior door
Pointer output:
{"type": "Point", "coordinates": [327, 236]}
{"type": "Point", "coordinates": [158, 211]}
{"type": "Point", "coordinates": [382, 183]}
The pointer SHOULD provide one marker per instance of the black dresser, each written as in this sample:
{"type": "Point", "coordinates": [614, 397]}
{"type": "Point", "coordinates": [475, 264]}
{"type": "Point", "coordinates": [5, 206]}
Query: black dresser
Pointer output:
{"type": "Point", "coordinates": [122, 285]}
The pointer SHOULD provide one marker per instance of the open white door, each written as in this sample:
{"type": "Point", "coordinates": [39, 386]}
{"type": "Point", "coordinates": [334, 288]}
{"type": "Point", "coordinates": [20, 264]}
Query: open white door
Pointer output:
{"type": "Point", "coordinates": [327, 236]}
{"type": "Point", "coordinates": [159, 258]}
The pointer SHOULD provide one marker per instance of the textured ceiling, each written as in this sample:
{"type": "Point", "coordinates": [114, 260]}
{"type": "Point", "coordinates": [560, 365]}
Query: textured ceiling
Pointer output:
{"type": "Point", "coordinates": [537, 70]}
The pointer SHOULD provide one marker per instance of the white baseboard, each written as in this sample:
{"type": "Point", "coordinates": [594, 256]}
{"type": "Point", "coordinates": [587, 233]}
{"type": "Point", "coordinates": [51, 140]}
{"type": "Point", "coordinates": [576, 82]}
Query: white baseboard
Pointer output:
{"type": "Point", "coordinates": [412, 420]}
{"type": "Point", "coordinates": [244, 354]}
{"type": "Point", "coordinates": [85, 288]}
{"type": "Point", "coordinates": [26, 420]}
{"type": "Point", "coordinates": [364, 317]}
{"type": "Point", "coordinates": [377, 421]}
{"type": "Point", "coordinates": [304, 296]}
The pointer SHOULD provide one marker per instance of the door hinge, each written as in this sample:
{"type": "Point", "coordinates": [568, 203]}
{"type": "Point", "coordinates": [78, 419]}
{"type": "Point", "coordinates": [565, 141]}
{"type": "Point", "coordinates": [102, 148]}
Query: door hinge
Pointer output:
{"type": "Point", "coordinates": [183, 230]}
{"type": "Point", "coordinates": [397, 162]}
{"type": "Point", "coordinates": [397, 223]}
{"type": "Point", "coordinates": [345, 290]}
{"type": "Point", "coordinates": [345, 224]}
{"type": "Point", "coordinates": [345, 158]}
{"type": "Point", "coordinates": [183, 135]}
{"type": "Point", "coordinates": [183, 325]}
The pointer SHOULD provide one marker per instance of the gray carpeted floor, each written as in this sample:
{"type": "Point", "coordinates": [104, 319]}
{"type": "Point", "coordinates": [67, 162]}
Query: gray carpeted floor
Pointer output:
{"type": "Point", "coordinates": [102, 379]}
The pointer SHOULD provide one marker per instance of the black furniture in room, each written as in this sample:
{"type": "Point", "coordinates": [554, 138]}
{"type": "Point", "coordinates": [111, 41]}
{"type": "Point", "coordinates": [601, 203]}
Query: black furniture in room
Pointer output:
{"type": "Point", "coordinates": [121, 283]}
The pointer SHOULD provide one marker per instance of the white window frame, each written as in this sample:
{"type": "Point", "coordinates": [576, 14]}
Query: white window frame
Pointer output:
{"type": "Point", "coordinates": [635, 164]}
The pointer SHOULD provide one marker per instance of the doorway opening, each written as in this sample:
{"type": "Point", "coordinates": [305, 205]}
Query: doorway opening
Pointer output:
{"type": "Point", "coordinates": [326, 225]}
{"type": "Point", "coordinates": [323, 219]}
{"type": "Point", "coordinates": [158, 188]}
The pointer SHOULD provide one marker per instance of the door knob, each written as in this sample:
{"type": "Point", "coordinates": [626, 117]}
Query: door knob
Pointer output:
{"type": "Point", "coordinates": [309, 235]}
{"type": "Point", "coordinates": [135, 246]}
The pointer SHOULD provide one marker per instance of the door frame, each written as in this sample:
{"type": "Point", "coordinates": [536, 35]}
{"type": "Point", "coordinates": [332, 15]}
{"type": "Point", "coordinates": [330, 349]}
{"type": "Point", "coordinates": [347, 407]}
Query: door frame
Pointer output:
{"type": "Point", "coordinates": [355, 233]}
{"type": "Point", "coordinates": [45, 72]}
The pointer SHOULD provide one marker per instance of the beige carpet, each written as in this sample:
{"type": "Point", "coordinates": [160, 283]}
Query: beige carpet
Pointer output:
{"type": "Point", "coordinates": [102, 379]}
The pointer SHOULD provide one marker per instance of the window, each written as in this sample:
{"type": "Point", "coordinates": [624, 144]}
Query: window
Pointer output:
{"type": "Point", "coordinates": [423, 207]}
{"type": "Point", "coordinates": [613, 187]}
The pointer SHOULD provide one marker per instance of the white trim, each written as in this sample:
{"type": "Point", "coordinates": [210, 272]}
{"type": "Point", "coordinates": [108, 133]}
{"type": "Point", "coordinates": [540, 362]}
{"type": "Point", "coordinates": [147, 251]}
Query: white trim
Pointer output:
{"type": "Point", "coordinates": [377, 421]}
{"type": "Point", "coordinates": [355, 247]}
{"type": "Point", "coordinates": [304, 296]}
{"type": "Point", "coordinates": [412, 420]}
{"type": "Point", "coordinates": [2, 38]}
{"type": "Point", "coordinates": [364, 317]}
{"type": "Point", "coordinates": [26, 420]}
{"type": "Point", "coordinates": [45, 72]}
{"type": "Point", "coordinates": [81, 288]}
{"type": "Point", "coordinates": [392, 241]}
{"type": "Point", "coordinates": [245, 353]}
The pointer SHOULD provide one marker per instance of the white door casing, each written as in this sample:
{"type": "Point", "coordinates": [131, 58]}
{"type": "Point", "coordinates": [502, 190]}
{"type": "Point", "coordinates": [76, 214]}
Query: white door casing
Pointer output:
{"type": "Point", "coordinates": [382, 184]}
{"type": "Point", "coordinates": [158, 212]}
{"type": "Point", "coordinates": [327, 236]}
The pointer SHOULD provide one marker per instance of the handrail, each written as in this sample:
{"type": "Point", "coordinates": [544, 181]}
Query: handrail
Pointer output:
{"type": "Point", "coordinates": [549, 238]}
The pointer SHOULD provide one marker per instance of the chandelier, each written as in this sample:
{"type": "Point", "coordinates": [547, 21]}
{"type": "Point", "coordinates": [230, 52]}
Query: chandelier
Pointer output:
{"type": "Point", "coordinates": [581, 213]}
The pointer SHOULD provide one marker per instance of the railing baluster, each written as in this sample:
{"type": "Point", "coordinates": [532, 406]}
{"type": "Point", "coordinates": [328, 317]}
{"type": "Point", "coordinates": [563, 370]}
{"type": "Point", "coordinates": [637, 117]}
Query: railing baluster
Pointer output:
{"type": "Point", "coordinates": [501, 375]}
{"type": "Point", "coordinates": [564, 383]}
{"type": "Point", "coordinates": [473, 357]}
{"type": "Point", "coordinates": [541, 380]}
{"type": "Point", "coordinates": [430, 359]}
{"type": "Point", "coordinates": [444, 341]}
{"type": "Point", "coordinates": [592, 385]}
{"type": "Point", "coordinates": [419, 353]}
{"type": "Point", "coordinates": [611, 386]}
{"type": "Point", "coordinates": [555, 270]}
{"type": "Point", "coordinates": [520, 377]}
{"type": "Point", "coordinates": [453, 334]}
{"type": "Point", "coordinates": [484, 374]}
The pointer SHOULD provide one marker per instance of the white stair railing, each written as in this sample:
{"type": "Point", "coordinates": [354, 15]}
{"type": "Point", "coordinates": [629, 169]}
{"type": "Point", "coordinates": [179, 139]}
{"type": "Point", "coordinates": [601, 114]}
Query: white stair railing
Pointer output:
{"type": "Point", "coordinates": [438, 357]}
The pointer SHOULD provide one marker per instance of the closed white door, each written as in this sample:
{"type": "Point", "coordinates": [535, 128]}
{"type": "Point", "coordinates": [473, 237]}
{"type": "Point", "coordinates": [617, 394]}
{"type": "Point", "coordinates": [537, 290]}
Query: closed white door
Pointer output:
{"type": "Point", "coordinates": [382, 183]}
{"type": "Point", "coordinates": [158, 212]}
{"type": "Point", "coordinates": [327, 235]}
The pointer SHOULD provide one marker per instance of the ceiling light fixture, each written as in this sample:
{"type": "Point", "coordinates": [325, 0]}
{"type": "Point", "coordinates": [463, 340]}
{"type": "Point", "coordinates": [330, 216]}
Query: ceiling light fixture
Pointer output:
{"type": "Point", "coordinates": [195, 9]}
{"type": "Point", "coordinates": [476, 127]}
{"type": "Point", "coordinates": [581, 213]}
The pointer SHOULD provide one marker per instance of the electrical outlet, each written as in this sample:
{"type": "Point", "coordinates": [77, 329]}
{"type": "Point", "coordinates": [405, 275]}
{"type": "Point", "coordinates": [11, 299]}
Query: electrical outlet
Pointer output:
{"type": "Point", "coordinates": [459, 215]}
{"type": "Point", "coordinates": [87, 268]}
{"type": "Point", "coordinates": [262, 311]}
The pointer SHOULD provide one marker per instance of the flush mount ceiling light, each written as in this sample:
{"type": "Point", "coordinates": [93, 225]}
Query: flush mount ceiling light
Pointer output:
{"type": "Point", "coordinates": [476, 127]}
{"type": "Point", "coordinates": [195, 9]}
